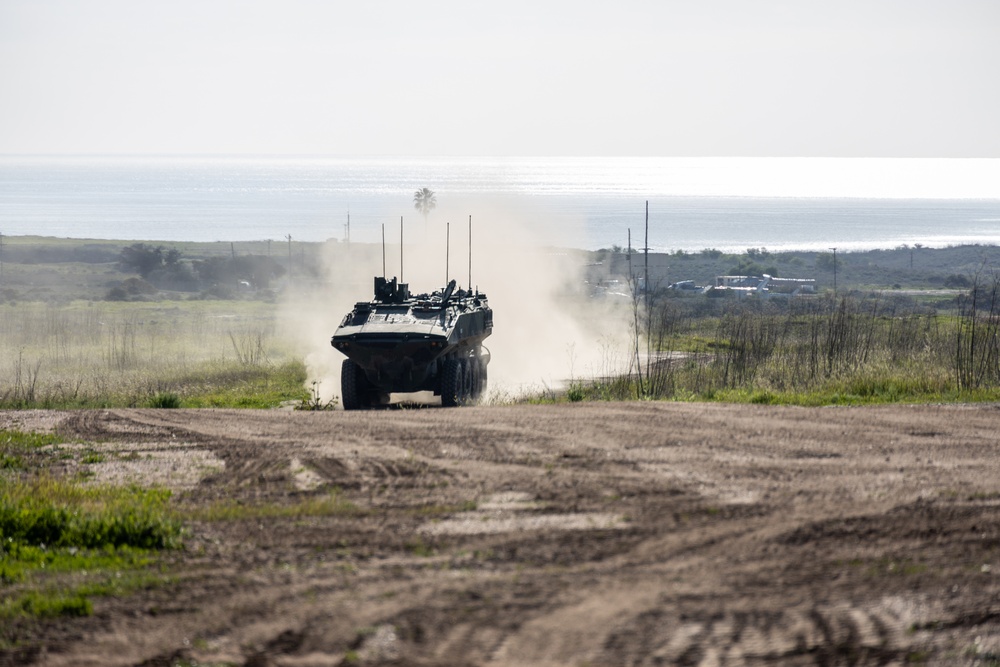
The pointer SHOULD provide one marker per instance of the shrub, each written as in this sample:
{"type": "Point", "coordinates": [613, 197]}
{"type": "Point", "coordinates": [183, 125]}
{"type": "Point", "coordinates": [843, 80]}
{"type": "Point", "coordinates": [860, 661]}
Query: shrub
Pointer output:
{"type": "Point", "coordinates": [165, 399]}
{"type": "Point", "coordinates": [116, 293]}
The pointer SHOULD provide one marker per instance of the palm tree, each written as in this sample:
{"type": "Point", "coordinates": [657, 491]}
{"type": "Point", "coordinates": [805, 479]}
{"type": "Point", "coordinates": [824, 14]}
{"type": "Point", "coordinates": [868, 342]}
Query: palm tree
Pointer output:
{"type": "Point", "coordinates": [425, 202]}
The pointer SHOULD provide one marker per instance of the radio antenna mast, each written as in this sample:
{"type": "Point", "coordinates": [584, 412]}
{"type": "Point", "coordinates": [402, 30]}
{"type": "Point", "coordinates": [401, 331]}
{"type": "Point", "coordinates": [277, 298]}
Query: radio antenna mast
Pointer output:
{"type": "Point", "coordinates": [469, 286]}
{"type": "Point", "coordinates": [447, 252]}
{"type": "Point", "coordinates": [400, 250]}
{"type": "Point", "coordinates": [383, 250]}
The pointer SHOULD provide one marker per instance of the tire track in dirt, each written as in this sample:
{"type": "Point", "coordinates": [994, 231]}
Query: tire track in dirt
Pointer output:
{"type": "Point", "coordinates": [737, 535]}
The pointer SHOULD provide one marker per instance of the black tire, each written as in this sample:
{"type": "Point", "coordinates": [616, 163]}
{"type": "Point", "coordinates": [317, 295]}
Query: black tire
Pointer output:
{"type": "Point", "coordinates": [475, 369]}
{"type": "Point", "coordinates": [482, 378]}
{"type": "Point", "coordinates": [452, 389]}
{"type": "Point", "coordinates": [468, 381]}
{"type": "Point", "coordinates": [353, 387]}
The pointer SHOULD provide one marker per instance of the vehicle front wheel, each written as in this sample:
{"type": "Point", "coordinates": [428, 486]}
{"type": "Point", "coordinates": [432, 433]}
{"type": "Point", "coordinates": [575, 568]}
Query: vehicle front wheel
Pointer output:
{"type": "Point", "coordinates": [354, 391]}
{"type": "Point", "coordinates": [452, 385]}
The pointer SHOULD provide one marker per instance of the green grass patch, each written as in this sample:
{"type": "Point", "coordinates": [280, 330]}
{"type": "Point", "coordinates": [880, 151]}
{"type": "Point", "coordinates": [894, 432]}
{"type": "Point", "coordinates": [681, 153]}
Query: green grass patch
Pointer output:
{"type": "Point", "coordinates": [207, 385]}
{"type": "Point", "coordinates": [58, 599]}
{"type": "Point", "coordinates": [420, 548]}
{"type": "Point", "coordinates": [165, 399]}
{"type": "Point", "coordinates": [444, 510]}
{"type": "Point", "coordinates": [51, 529]}
{"type": "Point", "coordinates": [23, 441]}
{"type": "Point", "coordinates": [92, 457]}
{"type": "Point", "coordinates": [329, 504]}
{"type": "Point", "coordinates": [16, 446]}
{"type": "Point", "coordinates": [20, 560]}
{"type": "Point", "coordinates": [253, 387]}
{"type": "Point", "coordinates": [55, 513]}
{"type": "Point", "coordinates": [856, 390]}
{"type": "Point", "coordinates": [48, 604]}
{"type": "Point", "coordinates": [898, 568]}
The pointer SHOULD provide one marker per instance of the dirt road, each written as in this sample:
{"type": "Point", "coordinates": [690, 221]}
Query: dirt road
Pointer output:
{"type": "Point", "coordinates": [583, 534]}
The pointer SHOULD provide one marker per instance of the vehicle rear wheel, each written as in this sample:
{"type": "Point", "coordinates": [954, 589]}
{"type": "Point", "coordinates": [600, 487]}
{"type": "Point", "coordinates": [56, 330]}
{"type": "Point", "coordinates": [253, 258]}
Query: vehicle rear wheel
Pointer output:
{"type": "Point", "coordinates": [452, 389]}
{"type": "Point", "coordinates": [468, 381]}
{"type": "Point", "coordinates": [354, 391]}
{"type": "Point", "coordinates": [481, 388]}
{"type": "Point", "coordinates": [475, 368]}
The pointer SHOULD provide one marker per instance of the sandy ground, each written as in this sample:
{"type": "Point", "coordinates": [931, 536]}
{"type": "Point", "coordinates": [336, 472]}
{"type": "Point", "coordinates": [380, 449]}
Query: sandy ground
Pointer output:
{"type": "Point", "coordinates": [584, 534]}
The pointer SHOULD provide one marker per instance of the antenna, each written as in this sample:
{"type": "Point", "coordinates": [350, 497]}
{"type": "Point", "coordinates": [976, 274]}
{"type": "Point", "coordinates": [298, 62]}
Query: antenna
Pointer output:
{"type": "Point", "coordinates": [400, 250]}
{"type": "Point", "coordinates": [447, 252]}
{"type": "Point", "coordinates": [469, 286]}
{"type": "Point", "coordinates": [383, 250]}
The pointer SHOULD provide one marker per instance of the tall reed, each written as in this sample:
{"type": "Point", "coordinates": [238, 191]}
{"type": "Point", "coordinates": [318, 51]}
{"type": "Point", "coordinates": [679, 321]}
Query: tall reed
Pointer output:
{"type": "Point", "coordinates": [855, 347]}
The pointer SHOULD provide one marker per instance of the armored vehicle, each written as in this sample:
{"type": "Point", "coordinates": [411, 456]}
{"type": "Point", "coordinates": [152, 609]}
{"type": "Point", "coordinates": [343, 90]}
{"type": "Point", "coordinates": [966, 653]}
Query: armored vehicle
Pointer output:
{"type": "Point", "coordinates": [400, 343]}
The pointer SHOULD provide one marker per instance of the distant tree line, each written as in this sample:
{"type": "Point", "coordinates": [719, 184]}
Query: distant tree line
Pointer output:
{"type": "Point", "coordinates": [166, 268]}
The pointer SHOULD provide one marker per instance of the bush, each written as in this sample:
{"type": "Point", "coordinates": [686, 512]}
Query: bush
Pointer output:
{"type": "Point", "coordinates": [956, 281]}
{"type": "Point", "coordinates": [165, 399]}
{"type": "Point", "coordinates": [129, 289]}
{"type": "Point", "coordinates": [116, 293]}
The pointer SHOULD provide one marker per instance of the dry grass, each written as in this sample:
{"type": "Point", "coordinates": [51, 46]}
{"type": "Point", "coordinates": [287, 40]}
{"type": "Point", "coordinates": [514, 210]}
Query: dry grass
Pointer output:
{"type": "Point", "coordinates": [94, 354]}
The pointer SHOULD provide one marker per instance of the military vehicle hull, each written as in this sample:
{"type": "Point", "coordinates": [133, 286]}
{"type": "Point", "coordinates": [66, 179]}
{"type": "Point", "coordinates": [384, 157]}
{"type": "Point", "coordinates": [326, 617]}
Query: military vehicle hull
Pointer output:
{"type": "Point", "coordinates": [399, 343]}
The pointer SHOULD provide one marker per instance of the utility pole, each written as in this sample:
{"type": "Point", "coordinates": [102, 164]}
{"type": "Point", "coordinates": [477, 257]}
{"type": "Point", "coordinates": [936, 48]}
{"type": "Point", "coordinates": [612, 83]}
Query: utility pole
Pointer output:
{"type": "Point", "coordinates": [834, 272]}
{"type": "Point", "coordinates": [634, 287]}
{"type": "Point", "coordinates": [628, 256]}
{"type": "Point", "coordinates": [645, 257]}
{"type": "Point", "coordinates": [289, 237]}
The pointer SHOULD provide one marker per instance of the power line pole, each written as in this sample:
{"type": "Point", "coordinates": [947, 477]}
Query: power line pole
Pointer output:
{"type": "Point", "coordinates": [645, 257]}
{"type": "Point", "coordinates": [834, 272]}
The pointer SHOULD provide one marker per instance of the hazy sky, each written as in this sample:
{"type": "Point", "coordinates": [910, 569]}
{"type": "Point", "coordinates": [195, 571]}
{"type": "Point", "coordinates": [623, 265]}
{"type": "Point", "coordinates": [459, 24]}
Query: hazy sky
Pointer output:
{"type": "Point", "coordinates": [896, 78]}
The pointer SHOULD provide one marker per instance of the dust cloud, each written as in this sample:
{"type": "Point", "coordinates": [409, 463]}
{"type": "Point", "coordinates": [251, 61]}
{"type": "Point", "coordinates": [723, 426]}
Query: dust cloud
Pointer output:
{"type": "Point", "coordinates": [547, 330]}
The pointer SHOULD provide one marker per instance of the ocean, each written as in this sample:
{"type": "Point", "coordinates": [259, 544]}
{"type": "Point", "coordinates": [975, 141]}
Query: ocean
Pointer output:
{"type": "Point", "coordinates": [694, 203]}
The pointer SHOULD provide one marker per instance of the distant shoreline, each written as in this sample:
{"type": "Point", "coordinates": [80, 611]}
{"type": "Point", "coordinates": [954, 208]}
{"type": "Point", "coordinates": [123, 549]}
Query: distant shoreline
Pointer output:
{"type": "Point", "coordinates": [278, 246]}
{"type": "Point", "coordinates": [731, 204]}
